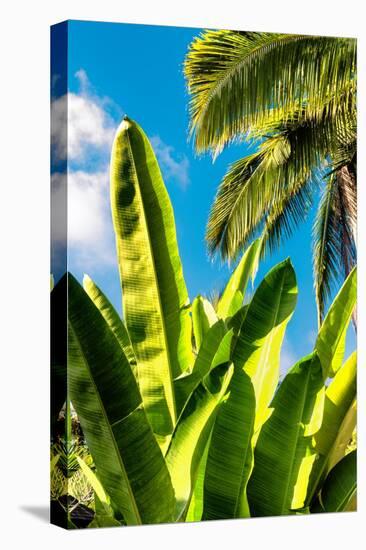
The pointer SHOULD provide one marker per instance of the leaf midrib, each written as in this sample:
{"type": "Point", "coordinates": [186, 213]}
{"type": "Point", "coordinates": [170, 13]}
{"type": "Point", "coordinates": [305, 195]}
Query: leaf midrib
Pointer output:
{"type": "Point", "coordinates": [147, 232]}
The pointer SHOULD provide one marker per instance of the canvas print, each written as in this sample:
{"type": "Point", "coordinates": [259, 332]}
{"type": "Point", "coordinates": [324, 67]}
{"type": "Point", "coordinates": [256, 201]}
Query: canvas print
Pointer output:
{"type": "Point", "coordinates": [203, 274]}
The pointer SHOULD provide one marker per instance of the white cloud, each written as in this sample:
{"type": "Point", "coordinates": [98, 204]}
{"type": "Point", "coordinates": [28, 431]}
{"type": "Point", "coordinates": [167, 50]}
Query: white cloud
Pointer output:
{"type": "Point", "coordinates": [90, 131]}
{"type": "Point", "coordinates": [90, 230]}
{"type": "Point", "coordinates": [90, 237]}
{"type": "Point", "coordinates": [89, 137]}
{"type": "Point", "coordinates": [59, 128]}
{"type": "Point", "coordinates": [173, 165]}
{"type": "Point", "coordinates": [89, 127]}
{"type": "Point", "coordinates": [58, 207]}
{"type": "Point", "coordinates": [84, 81]}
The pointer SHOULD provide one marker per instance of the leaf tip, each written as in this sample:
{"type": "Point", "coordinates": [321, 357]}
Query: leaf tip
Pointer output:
{"type": "Point", "coordinates": [125, 125]}
{"type": "Point", "coordinates": [86, 280]}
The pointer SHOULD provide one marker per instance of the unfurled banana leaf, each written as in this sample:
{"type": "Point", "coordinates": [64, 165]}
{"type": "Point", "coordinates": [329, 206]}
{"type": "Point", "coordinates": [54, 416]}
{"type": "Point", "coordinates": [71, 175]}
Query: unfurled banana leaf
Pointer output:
{"type": "Point", "coordinates": [330, 343]}
{"type": "Point", "coordinates": [112, 318]}
{"type": "Point", "coordinates": [340, 486]}
{"type": "Point", "coordinates": [108, 403]}
{"type": "Point", "coordinates": [215, 350]}
{"type": "Point", "coordinates": [256, 356]}
{"type": "Point", "coordinates": [339, 420]}
{"type": "Point", "coordinates": [237, 284]}
{"type": "Point", "coordinates": [284, 453]}
{"type": "Point", "coordinates": [155, 299]}
{"type": "Point", "coordinates": [203, 317]}
{"type": "Point", "coordinates": [192, 432]}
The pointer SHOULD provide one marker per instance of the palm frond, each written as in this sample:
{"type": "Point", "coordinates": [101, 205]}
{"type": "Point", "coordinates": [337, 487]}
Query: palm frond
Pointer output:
{"type": "Point", "coordinates": [236, 79]}
{"type": "Point", "coordinates": [289, 213]}
{"type": "Point", "coordinates": [347, 204]}
{"type": "Point", "coordinates": [334, 252]}
{"type": "Point", "coordinates": [325, 247]}
{"type": "Point", "coordinates": [267, 184]}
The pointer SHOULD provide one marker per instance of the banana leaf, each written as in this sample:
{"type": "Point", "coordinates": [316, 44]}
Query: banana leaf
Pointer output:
{"type": "Point", "coordinates": [108, 403]}
{"type": "Point", "coordinates": [155, 298]}
{"type": "Point", "coordinates": [256, 359]}
{"type": "Point", "coordinates": [58, 349]}
{"type": "Point", "coordinates": [112, 318]}
{"type": "Point", "coordinates": [215, 350]}
{"type": "Point", "coordinates": [235, 322]}
{"type": "Point", "coordinates": [103, 499]}
{"type": "Point", "coordinates": [330, 343]}
{"type": "Point", "coordinates": [104, 521]}
{"type": "Point", "coordinates": [339, 421]}
{"type": "Point", "coordinates": [230, 454]}
{"type": "Point", "coordinates": [344, 436]}
{"type": "Point", "coordinates": [103, 517]}
{"type": "Point", "coordinates": [232, 297]}
{"type": "Point", "coordinates": [203, 317]}
{"type": "Point", "coordinates": [284, 454]}
{"type": "Point", "coordinates": [192, 432]}
{"type": "Point", "coordinates": [195, 508]}
{"type": "Point", "coordinates": [258, 346]}
{"type": "Point", "coordinates": [340, 486]}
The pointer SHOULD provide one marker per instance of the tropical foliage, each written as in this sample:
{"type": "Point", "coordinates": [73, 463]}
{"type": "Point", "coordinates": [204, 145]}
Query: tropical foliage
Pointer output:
{"type": "Point", "coordinates": [176, 412]}
{"type": "Point", "coordinates": [294, 97]}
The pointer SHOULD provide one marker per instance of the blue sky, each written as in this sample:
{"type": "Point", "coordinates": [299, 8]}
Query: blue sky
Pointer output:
{"type": "Point", "coordinates": [116, 69]}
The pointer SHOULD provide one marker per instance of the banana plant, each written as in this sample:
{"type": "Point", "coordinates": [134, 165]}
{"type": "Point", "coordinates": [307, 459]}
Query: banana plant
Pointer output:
{"type": "Point", "coordinates": [180, 402]}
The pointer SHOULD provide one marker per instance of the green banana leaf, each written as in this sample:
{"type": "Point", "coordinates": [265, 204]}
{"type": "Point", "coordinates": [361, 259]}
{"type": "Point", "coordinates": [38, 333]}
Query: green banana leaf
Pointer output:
{"type": "Point", "coordinates": [284, 454]}
{"type": "Point", "coordinates": [330, 343]}
{"type": "Point", "coordinates": [258, 346]}
{"type": "Point", "coordinates": [232, 297]}
{"type": "Point", "coordinates": [108, 403]}
{"type": "Point", "coordinates": [256, 356]}
{"type": "Point", "coordinates": [230, 454]}
{"type": "Point", "coordinates": [103, 517]}
{"type": "Point", "coordinates": [344, 436]}
{"type": "Point", "coordinates": [203, 317]}
{"type": "Point", "coordinates": [215, 350]}
{"type": "Point", "coordinates": [103, 521]}
{"type": "Point", "coordinates": [155, 298]}
{"type": "Point", "coordinates": [195, 508]}
{"type": "Point", "coordinates": [112, 318]}
{"type": "Point", "coordinates": [339, 420]}
{"type": "Point", "coordinates": [98, 489]}
{"type": "Point", "coordinates": [58, 349]}
{"type": "Point", "coordinates": [192, 432]}
{"type": "Point", "coordinates": [340, 486]}
{"type": "Point", "coordinates": [235, 322]}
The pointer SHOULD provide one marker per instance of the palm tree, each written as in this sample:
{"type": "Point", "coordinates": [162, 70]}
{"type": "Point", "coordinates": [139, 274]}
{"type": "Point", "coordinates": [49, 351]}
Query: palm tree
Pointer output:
{"type": "Point", "coordinates": [294, 97]}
